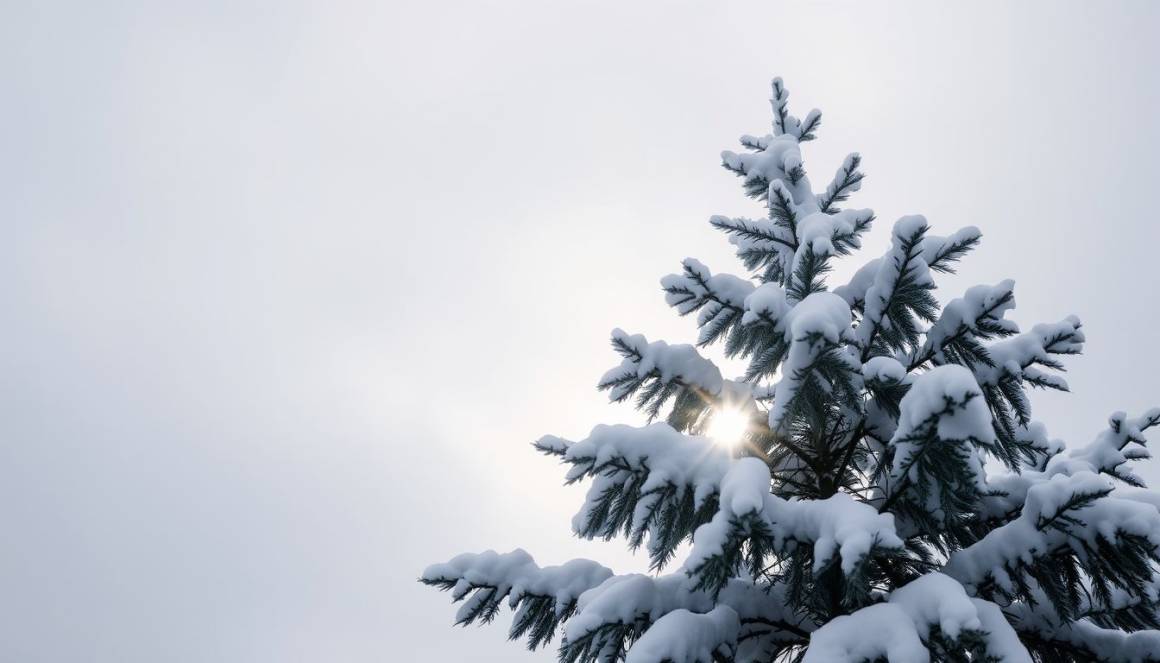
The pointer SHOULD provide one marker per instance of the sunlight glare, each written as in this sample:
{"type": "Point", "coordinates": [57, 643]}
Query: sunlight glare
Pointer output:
{"type": "Point", "coordinates": [728, 427]}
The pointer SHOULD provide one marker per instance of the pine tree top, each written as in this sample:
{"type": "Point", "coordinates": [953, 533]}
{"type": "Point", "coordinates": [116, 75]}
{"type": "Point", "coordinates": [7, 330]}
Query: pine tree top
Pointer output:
{"type": "Point", "coordinates": [890, 498]}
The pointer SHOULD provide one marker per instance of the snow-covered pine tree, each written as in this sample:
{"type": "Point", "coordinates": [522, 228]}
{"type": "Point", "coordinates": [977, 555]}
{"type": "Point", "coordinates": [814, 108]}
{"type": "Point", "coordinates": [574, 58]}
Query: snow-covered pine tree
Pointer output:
{"type": "Point", "coordinates": [893, 499]}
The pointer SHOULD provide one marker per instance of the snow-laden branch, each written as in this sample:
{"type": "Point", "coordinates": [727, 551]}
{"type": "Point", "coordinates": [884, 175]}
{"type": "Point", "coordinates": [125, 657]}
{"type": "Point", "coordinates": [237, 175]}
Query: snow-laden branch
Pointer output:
{"type": "Point", "coordinates": [838, 528]}
{"type": "Point", "coordinates": [1073, 514]}
{"type": "Point", "coordinates": [629, 607]}
{"type": "Point", "coordinates": [942, 427]}
{"type": "Point", "coordinates": [846, 181]}
{"type": "Point", "coordinates": [811, 330]}
{"type": "Point", "coordinates": [899, 295]}
{"type": "Point", "coordinates": [651, 481]}
{"type": "Point", "coordinates": [720, 298]}
{"type": "Point", "coordinates": [543, 597]}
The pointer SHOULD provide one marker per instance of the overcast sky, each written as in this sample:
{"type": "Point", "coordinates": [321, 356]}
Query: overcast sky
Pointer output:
{"type": "Point", "coordinates": [289, 288]}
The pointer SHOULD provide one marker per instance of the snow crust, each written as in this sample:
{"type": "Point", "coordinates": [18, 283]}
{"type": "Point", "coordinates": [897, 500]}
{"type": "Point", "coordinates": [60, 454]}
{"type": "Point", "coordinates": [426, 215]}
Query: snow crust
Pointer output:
{"type": "Point", "coordinates": [854, 292]}
{"type": "Point", "coordinates": [949, 396]}
{"type": "Point", "coordinates": [895, 630]}
{"type": "Point", "coordinates": [687, 637]}
{"type": "Point", "coordinates": [885, 370]}
{"type": "Point", "coordinates": [767, 302]}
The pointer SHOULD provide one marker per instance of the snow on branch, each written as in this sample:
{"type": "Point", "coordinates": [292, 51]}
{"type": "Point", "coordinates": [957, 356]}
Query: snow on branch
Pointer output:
{"type": "Point", "coordinates": [1112, 645]}
{"type": "Point", "coordinates": [1003, 368]}
{"type": "Point", "coordinates": [812, 330]}
{"type": "Point", "coordinates": [855, 291]}
{"type": "Point", "coordinates": [931, 611]}
{"type": "Point", "coordinates": [1068, 524]}
{"type": "Point", "coordinates": [543, 597]}
{"type": "Point", "coordinates": [900, 294]}
{"type": "Point", "coordinates": [688, 637]}
{"type": "Point", "coordinates": [936, 472]}
{"type": "Point", "coordinates": [763, 245]}
{"type": "Point", "coordinates": [976, 316]}
{"type": "Point", "coordinates": [820, 238]}
{"type": "Point", "coordinates": [836, 528]}
{"type": "Point", "coordinates": [777, 157]}
{"type": "Point", "coordinates": [1110, 452]}
{"type": "Point", "coordinates": [657, 372]}
{"type": "Point", "coordinates": [650, 481]}
{"type": "Point", "coordinates": [1026, 355]}
{"type": "Point", "coordinates": [846, 181]}
{"type": "Point", "coordinates": [1123, 441]}
{"type": "Point", "coordinates": [779, 161]}
{"type": "Point", "coordinates": [941, 253]}
{"type": "Point", "coordinates": [681, 618]}
{"type": "Point", "coordinates": [784, 123]}
{"type": "Point", "coordinates": [720, 298]}
{"type": "Point", "coordinates": [610, 617]}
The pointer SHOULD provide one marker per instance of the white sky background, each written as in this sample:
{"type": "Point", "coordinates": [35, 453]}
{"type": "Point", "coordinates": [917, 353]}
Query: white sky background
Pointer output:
{"type": "Point", "coordinates": [288, 290]}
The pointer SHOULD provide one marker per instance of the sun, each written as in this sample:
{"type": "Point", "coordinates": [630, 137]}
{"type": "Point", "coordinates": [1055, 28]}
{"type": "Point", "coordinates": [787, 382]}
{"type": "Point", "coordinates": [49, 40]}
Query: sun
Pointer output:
{"type": "Point", "coordinates": [727, 427]}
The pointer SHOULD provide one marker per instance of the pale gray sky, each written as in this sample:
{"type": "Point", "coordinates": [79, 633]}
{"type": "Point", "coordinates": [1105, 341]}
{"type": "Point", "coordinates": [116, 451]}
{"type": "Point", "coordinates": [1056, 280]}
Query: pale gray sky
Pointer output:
{"type": "Point", "coordinates": [289, 288]}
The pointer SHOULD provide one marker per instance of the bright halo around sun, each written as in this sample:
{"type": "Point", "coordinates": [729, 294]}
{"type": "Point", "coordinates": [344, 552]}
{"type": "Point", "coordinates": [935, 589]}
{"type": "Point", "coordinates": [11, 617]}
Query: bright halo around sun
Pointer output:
{"type": "Point", "coordinates": [727, 427]}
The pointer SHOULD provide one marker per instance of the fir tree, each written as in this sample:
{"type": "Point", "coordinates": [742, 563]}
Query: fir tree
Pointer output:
{"type": "Point", "coordinates": [892, 500]}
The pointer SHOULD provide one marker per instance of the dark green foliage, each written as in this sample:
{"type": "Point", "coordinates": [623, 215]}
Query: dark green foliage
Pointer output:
{"type": "Point", "coordinates": [607, 644]}
{"type": "Point", "coordinates": [968, 647]}
{"type": "Point", "coordinates": [807, 276]}
{"type": "Point", "coordinates": [537, 619]}
{"type": "Point", "coordinates": [947, 475]}
{"type": "Point", "coordinates": [749, 544]}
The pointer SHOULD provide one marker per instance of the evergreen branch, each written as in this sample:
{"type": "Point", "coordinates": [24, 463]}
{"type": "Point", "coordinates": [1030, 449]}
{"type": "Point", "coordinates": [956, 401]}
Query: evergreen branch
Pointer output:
{"type": "Point", "coordinates": [847, 180]}
{"type": "Point", "coordinates": [809, 126]}
{"type": "Point", "coordinates": [780, 625]}
{"type": "Point", "coordinates": [848, 452]}
{"type": "Point", "coordinates": [942, 259]}
{"type": "Point", "coordinates": [781, 209]}
{"type": "Point", "coordinates": [778, 102]}
{"type": "Point", "coordinates": [750, 230]}
{"type": "Point", "coordinates": [906, 295]}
